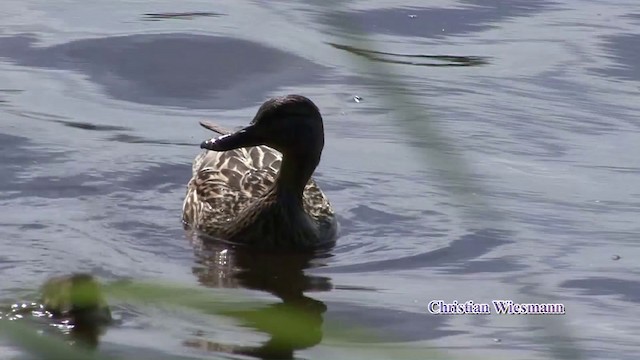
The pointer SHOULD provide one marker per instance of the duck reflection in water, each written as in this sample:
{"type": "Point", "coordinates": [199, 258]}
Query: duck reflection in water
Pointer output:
{"type": "Point", "coordinates": [281, 274]}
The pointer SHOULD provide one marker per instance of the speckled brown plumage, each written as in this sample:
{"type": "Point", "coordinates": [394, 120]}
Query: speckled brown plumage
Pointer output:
{"type": "Point", "coordinates": [232, 196]}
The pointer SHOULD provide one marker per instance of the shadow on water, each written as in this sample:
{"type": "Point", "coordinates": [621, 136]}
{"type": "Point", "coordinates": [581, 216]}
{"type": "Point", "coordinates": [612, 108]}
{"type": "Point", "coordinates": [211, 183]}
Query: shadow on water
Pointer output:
{"type": "Point", "coordinates": [218, 73]}
{"type": "Point", "coordinates": [283, 275]}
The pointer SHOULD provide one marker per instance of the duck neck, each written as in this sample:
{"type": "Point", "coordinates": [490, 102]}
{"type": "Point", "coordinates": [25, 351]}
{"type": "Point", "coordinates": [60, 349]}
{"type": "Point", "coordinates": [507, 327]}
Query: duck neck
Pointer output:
{"type": "Point", "coordinates": [295, 172]}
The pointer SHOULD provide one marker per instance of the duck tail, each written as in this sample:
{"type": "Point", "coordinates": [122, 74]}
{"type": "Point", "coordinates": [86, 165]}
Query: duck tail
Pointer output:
{"type": "Point", "coordinates": [213, 127]}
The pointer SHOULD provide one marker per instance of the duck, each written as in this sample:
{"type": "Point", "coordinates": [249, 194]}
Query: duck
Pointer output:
{"type": "Point", "coordinates": [254, 187]}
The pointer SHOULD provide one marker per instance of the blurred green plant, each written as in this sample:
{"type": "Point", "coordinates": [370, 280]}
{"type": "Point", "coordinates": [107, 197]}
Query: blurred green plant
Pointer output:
{"type": "Point", "coordinates": [344, 341]}
{"type": "Point", "coordinates": [31, 341]}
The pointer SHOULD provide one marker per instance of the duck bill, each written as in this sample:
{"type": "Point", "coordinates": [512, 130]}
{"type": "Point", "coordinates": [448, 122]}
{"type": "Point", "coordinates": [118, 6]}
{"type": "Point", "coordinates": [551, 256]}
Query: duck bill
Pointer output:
{"type": "Point", "coordinates": [246, 137]}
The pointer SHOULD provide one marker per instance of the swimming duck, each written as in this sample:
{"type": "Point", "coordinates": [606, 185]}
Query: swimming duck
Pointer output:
{"type": "Point", "coordinates": [254, 186]}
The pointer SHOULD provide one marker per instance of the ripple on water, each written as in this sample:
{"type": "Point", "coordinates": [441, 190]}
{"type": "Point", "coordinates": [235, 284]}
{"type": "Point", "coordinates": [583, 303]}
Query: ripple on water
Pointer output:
{"type": "Point", "coordinates": [463, 249]}
{"type": "Point", "coordinates": [18, 155]}
{"type": "Point", "coordinates": [624, 51]}
{"type": "Point", "coordinates": [628, 290]}
{"type": "Point", "coordinates": [180, 15]}
{"type": "Point", "coordinates": [387, 325]}
{"type": "Point", "coordinates": [476, 16]}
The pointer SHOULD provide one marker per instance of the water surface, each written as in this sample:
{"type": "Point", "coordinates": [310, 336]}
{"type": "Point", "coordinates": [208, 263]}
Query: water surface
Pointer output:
{"type": "Point", "coordinates": [99, 105]}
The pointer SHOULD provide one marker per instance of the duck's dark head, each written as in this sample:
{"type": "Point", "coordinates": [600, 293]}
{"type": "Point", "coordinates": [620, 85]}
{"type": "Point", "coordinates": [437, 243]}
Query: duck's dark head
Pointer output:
{"type": "Point", "coordinates": [291, 124]}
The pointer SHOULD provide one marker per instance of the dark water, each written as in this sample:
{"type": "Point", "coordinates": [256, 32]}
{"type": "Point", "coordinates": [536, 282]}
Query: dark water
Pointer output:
{"type": "Point", "coordinates": [99, 105]}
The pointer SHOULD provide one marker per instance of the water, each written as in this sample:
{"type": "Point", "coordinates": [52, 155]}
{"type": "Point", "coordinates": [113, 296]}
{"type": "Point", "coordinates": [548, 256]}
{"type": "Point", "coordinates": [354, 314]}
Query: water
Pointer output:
{"type": "Point", "coordinates": [99, 106]}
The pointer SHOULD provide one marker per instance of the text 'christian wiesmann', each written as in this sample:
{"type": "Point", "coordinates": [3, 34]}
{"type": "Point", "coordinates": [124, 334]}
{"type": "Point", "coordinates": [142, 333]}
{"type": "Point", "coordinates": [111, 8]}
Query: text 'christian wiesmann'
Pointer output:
{"type": "Point", "coordinates": [500, 307]}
